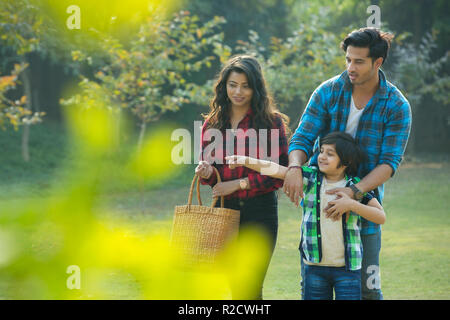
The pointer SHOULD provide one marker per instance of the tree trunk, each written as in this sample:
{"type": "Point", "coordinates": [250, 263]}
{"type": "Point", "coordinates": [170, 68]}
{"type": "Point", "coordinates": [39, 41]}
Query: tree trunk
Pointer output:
{"type": "Point", "coordinates": [25, 142]}
{"type": "Point", "coordinates": [141, 135]}
{"type": "Point", "coordinates": [141, 184]}
{"type": "Point", "coordinates": [26, 127]}
{"type": "Point", "coordinates": [118, 119]}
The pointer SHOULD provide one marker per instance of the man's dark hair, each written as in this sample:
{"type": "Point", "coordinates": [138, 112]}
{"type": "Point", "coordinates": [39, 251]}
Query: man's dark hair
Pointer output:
{"type": "Point", "coordinates": [346, 148]}
{"type": "Point", "coordinates": [377, 41]}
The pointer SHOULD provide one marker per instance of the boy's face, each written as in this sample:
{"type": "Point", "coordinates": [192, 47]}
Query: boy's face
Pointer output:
{"type": "Point", "coordinates": [329, 161]}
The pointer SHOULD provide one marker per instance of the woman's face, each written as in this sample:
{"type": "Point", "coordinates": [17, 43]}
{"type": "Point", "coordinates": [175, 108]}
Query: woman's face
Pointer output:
{"type": "Point", "coordinates": [238, 90]}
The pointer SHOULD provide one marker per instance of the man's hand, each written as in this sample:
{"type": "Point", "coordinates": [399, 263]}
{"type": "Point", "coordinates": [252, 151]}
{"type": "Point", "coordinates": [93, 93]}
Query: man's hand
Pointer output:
{"type": "Point", "coordinates": [342, 204]}
{"type": "Point", "coordinates": [293, 185]}
{"type": "Point", "coordinates": [346, 190]}
{"type": "Point", "coordinates": [225, 188]}
{"type": "Point", "coordinates": [204, 170]}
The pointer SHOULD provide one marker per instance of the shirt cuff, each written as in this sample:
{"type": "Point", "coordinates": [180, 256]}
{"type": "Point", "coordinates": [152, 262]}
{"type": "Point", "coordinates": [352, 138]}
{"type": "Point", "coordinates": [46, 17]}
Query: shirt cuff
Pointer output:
{"type": "Point", "coordinates": [211, 181]}
{"type": "Point", "coordinates": [390, 164]}
{"type": "Point", "coordinates": [293, 147]}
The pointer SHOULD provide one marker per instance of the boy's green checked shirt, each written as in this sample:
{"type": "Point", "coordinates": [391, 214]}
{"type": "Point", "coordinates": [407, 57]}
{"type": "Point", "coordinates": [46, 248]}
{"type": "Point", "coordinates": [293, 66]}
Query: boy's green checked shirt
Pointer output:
{"type": "Point", "coordinates": [310, 243]}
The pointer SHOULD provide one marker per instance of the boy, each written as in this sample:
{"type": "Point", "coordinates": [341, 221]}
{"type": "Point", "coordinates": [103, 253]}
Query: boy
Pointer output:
{"type": "Point", "coordinates": [330, 248]}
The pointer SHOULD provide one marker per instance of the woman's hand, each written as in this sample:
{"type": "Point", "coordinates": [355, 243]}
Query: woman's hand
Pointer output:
{"type": "Point", "coordinates": [236, 161]}
{"type": "Point", "coordinates": [342, 204]}
{"type": "Point", "coordinates": [222, 189]}
{"type": "Point", "coordinates": [204, 170]}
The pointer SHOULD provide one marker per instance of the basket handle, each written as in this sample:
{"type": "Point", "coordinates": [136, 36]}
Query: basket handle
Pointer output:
{"type": "Point", "coordinates": [191, 191]}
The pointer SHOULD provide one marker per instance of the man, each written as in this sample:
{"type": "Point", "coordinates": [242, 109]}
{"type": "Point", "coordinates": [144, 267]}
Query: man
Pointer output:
{"type": "Point", "coordinates": [364, 104]}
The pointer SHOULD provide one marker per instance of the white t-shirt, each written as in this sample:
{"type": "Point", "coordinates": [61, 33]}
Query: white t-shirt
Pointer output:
{"type": "Point", "coordinates": [353, 119]}
{"type": "Point", "coordinates": [332, 235]}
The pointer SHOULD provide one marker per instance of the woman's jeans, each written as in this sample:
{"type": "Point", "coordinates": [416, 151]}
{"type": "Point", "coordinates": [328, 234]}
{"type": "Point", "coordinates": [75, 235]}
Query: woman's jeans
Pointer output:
{"type": "Point", "coordinates": [260, 211]}
{"type": "Point", "coordinates": [320, 281]}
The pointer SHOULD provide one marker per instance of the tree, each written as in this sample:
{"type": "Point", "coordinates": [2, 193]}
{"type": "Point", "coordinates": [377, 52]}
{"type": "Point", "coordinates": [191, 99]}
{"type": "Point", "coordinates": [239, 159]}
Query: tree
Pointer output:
{"type": "Point", "coordinates": [418, 75]}
{"type": "Point", "coordinates": [148, 77]}
{"type": "Point", "coordinates": [14, 111]}
{"type": "Point", "coordinates": [295, 66]}
{"type": "Point", "coordinates": [21, 32]}
{"type": "Point", "coordinates": [266, 17]}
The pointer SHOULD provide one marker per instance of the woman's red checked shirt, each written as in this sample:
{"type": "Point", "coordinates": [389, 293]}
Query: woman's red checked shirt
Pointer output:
{"type": "Point", "coordinates": [259, 184]}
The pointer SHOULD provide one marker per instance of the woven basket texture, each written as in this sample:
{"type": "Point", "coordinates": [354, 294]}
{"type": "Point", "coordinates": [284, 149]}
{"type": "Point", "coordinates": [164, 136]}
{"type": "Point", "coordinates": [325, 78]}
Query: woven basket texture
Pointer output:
{"type": "Point", "coordinates": [200, 232]}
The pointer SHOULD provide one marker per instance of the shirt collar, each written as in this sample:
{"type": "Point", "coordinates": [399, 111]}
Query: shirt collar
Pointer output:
{"type": "Point", "coordinates": [246, 119]}
{"type": "Point", "coordinates": [248, 115]}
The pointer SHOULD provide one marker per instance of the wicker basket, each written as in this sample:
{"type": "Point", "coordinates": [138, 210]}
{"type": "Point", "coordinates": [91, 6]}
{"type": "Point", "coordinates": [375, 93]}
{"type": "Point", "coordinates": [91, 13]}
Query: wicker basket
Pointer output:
{"type": "Point", "coordinates": [200, 232]}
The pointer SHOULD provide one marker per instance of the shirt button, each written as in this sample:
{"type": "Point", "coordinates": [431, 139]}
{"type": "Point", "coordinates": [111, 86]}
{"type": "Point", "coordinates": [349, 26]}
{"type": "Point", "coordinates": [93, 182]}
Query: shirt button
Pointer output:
{"type": "Point", "coordinates": [241, 203]}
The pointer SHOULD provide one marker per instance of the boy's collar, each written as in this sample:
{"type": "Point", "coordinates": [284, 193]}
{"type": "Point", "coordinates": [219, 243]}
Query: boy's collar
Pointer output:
{"type": "Point", "coordinates": [322, 175]}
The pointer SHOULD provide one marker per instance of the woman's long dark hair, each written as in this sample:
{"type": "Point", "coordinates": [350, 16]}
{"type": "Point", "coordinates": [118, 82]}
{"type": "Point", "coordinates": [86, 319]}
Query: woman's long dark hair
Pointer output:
{"type": "Point", "coordinates": [262, 103]}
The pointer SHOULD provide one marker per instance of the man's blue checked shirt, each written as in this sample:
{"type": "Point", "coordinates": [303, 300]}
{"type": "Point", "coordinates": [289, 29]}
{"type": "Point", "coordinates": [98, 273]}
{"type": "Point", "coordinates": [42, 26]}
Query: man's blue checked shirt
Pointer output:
{"type": "Point", "coordinates": [382, 133]}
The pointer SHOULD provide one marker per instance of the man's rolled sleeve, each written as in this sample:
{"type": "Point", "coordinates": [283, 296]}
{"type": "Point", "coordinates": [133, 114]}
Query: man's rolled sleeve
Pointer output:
{"type": "Point", "coordinates": [311, 123]}
{"type": "Point", "coordinates": [395, 137]}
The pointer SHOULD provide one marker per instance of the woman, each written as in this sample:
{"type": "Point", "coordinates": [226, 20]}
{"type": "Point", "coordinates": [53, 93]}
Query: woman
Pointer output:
{"type": "Point", "coordinates": [242, 103]}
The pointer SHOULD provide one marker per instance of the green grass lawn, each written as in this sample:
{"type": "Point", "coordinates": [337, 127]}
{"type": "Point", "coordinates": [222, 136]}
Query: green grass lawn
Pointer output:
{"type": "Point", "coordinates": [415, 256]}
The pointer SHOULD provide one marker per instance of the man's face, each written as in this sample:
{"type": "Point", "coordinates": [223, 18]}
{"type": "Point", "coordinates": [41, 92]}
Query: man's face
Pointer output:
{"type": "Point", "coordinates": [360, 66]}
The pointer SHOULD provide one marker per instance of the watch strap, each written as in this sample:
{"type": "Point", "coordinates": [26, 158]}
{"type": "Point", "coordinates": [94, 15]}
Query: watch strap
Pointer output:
{"type": "Point", "coordinates": [357, 194]}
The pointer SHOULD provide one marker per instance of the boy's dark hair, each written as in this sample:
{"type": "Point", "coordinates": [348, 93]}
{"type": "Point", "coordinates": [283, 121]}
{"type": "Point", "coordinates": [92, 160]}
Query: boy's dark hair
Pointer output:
{"type": "Point", "coordinates": [348, 151]}
{"type": "Point", "coordinates": [377, 41]}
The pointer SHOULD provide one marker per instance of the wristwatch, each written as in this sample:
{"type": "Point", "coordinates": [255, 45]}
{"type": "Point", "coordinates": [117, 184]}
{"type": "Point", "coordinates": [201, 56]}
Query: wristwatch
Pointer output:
{"type": "Point", "coordinates": [357, 194]}
{"type": "Point", "coordinates": [243, 184]}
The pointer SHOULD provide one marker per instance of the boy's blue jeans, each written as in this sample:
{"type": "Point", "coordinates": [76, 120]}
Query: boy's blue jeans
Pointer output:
{"type": "Point", "coordinates": [370, 271]}
{"type": "Point", "coordinates": [320, 281]}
